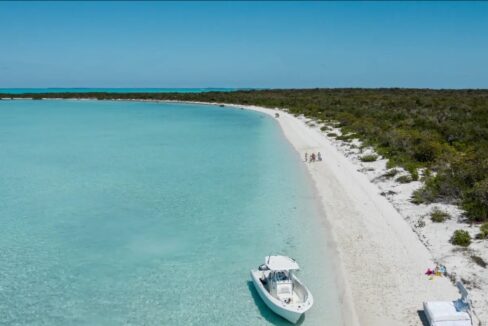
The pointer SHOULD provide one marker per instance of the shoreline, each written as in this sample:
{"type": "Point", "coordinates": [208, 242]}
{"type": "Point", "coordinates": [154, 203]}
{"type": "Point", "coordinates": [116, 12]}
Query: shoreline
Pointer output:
{"type": "Point", "coordinates": [379, 259]}
{"type": "Point", "coordinates": [348, 313]}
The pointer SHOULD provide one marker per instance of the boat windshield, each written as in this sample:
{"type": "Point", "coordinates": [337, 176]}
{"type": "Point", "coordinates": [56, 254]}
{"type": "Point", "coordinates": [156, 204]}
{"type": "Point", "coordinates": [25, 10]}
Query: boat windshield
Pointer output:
{"type": "Point", "coordinates": [282, 276]}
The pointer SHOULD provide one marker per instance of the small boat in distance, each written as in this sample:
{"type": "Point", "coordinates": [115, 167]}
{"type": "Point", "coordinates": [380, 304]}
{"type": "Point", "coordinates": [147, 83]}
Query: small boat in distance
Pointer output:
{"type": "Point", "coordinates": [280, 289]}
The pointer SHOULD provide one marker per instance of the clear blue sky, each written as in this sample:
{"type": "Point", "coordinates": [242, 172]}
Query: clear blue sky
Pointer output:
{"type": "Point", "coordinates": [244, 44]}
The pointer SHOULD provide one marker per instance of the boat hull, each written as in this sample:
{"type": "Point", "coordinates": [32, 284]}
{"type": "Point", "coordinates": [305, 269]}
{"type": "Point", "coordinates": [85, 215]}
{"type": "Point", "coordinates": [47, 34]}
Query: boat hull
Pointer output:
{"type": "Point", "coordinates": [275, 305]}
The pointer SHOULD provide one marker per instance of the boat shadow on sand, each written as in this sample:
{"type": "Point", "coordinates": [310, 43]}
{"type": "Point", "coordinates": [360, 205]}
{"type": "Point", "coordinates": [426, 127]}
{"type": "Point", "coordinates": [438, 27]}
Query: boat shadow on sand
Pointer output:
{"type": "Point", "coordinates": [266, 313]}
{"type": "Point", "coordinates": [423, 317]}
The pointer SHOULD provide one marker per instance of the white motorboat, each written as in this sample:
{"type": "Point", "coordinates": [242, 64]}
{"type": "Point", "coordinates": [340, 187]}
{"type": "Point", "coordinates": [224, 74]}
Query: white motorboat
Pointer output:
{"type": "Point", "coordinates": [280, 289]}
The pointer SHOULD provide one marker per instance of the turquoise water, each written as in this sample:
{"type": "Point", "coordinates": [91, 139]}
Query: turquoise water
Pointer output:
{"type": "Point", "coordinates": [118, 213]}
{"type": "Point", "coordinates": [113, 90]}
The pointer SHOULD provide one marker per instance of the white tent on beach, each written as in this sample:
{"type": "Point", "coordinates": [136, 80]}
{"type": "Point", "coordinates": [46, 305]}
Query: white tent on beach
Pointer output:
{"type": "Point", "coordinates": [450, 313]}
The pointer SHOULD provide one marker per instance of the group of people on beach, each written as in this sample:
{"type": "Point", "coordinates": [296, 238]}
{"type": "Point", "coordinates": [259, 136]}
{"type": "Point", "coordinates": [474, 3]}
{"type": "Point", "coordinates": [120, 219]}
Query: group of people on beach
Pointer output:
{"type": "Point", "coordinates": [313, 157]}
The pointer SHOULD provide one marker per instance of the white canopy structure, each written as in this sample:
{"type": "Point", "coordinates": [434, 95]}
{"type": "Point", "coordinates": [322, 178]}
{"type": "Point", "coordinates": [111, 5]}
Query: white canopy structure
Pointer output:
{"type": "Point", "coordinates": [450, 313]}
{"type": "Point", "coordinates": [441, 313]}
{"type": "Point", "coordinates": [280, 263]}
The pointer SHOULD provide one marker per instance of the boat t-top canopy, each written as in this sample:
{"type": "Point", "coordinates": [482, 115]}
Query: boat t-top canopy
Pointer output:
{"type": "Point", "coordinates": [280, 263]}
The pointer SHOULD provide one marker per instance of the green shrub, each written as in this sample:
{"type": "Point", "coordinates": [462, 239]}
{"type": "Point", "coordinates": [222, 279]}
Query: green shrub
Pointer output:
{"type": "Point", "coordinates": [404, 179]}
{"type": "Point", "coordinates": [412, 169]}
{"type": "Point", "coordinates": [332, 134]}
{"type": "Point", "coordinates": [483, 231]}
{"type": "Point", "coordinates": [324, 128]}
{"type": "Point", "coordinates": [369, 158]}
{"type": "Point", "coordinates": [347, 137]}
{"type": "Point", "coordinates": [439, 188]}
{"type": "Point", "coordinates": [476, 201]}
{"type": "Point", "coordinates": [461, 238]}
{"type": "Point", "coordinates": [427, 173]}
{"type": "Point", "coordinates": [439, 216]}
{"type": "Point", "coordinates": [417, 198]}
{"type": "Point", "coordinates": [426, 151]}
{"type": "Point", "coordinates": [391, 173]}
{"type": "Point", "coordinates": [415, 175]}
{"type": "Point", "coordinates": [390, 164]}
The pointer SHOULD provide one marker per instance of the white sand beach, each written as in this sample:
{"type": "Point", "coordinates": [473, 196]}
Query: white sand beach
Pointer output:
{"type": "Point", "coordinates": [381, 260]}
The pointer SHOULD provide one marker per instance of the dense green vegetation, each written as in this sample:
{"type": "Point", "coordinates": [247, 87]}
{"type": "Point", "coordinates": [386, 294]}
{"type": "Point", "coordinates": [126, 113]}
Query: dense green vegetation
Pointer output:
{"type": "Point", "coordinates": [444, 131]}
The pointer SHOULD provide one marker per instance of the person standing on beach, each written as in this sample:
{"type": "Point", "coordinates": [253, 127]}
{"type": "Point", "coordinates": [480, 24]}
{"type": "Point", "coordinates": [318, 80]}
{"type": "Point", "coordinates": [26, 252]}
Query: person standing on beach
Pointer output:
{"type": "Point", "coordinates": [306, 156]}
{"type": "Point", "coordinates": [319, 157]}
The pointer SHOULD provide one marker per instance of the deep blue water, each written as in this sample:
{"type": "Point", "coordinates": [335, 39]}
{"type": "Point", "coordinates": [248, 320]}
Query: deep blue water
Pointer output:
{"type": "Point", "coordinates": [117, 213]}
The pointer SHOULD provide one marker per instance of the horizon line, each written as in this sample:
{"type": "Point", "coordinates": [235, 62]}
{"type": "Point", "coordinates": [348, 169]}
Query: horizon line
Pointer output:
{"type": "Point", "coordinates": [257, 88]}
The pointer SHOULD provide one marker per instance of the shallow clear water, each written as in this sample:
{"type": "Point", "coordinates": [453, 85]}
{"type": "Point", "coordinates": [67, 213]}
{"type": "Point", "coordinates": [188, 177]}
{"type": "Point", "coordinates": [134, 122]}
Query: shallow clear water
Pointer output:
{"type": "Point", "coordinates": [118, 213]}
